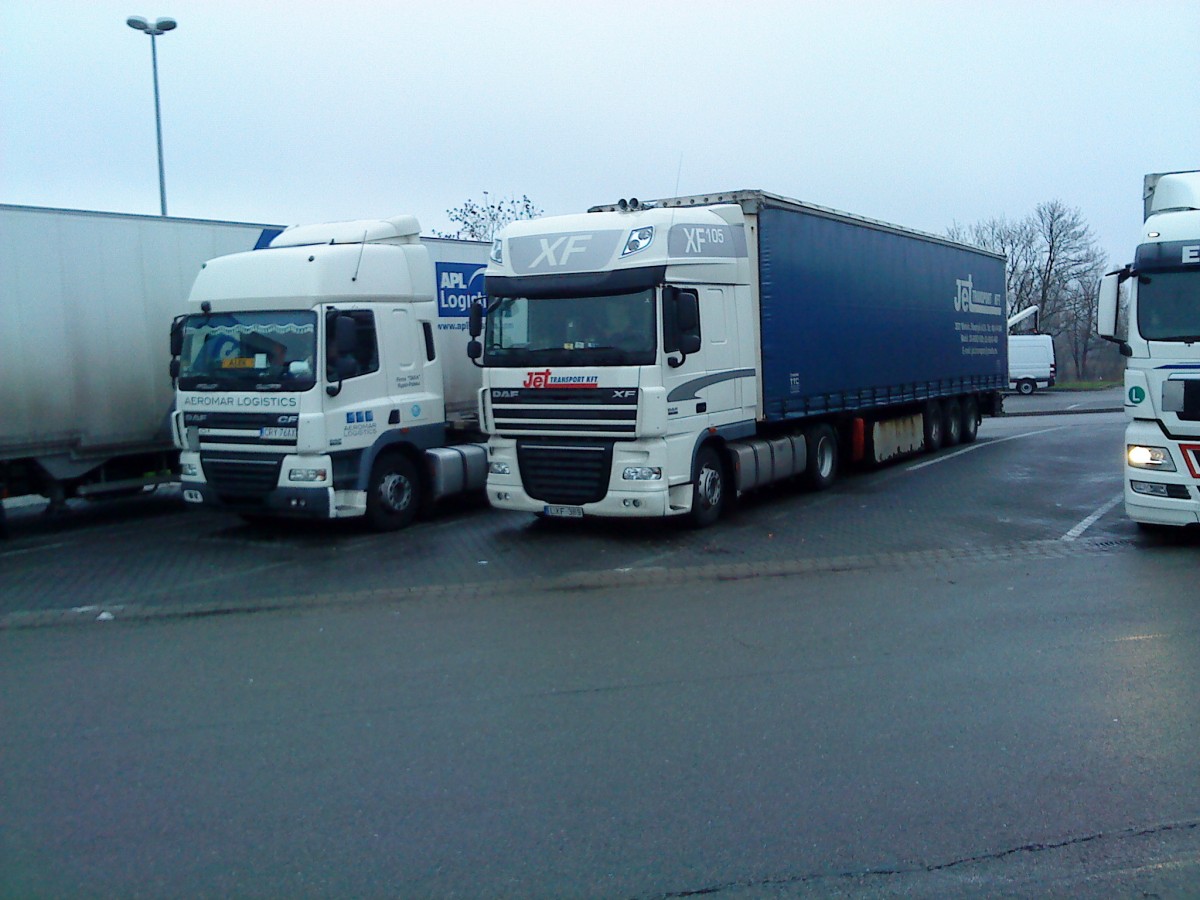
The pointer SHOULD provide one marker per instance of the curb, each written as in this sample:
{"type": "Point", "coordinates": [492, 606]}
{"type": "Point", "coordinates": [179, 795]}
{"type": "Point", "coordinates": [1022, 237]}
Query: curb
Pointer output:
{"type": "Point", "coordinates": [1062, 412]}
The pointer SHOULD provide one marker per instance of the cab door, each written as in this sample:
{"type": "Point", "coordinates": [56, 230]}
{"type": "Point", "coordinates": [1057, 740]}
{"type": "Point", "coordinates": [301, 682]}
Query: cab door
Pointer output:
{"type": "Point", "coordinates": [414, 372]}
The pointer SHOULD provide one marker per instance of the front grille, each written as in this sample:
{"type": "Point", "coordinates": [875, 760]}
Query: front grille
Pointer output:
{"type": "Point", "coordinates": [241, 477]}
{"type": "Point", "coordinates": [568, 473]}
{"type": "Point", "coordinates": [586, 412]}
{"type": "Point", "coordinates": [213, 428]}
{"type": "Point", "coordinates": [1191, 401]}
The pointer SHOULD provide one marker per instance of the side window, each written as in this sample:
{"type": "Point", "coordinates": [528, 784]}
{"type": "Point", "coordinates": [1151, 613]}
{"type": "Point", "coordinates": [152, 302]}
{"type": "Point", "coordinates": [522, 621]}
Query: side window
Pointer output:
{"type": "Point", "coordinates": [430, 352]}
{"type": "Point", "coordinates": [352, 347]}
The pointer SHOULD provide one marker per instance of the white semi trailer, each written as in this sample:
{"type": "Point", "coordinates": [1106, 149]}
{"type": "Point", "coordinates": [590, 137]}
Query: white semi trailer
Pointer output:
{"type": "Point", "coordinates": [1151, 309]}
{"type": "Point", "coordinates": [86, 303]}
{"type": "Point", "coordinates": [327, 376]}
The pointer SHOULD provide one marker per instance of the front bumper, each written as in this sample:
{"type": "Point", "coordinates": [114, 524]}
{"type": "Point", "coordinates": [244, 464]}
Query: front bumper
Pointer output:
{"type": "Point", "coordinates": [257, 485]}
{"type": "Point", "coordinates": [619, 497]}
{"type": "Point", "coordinates": [1156, 497]}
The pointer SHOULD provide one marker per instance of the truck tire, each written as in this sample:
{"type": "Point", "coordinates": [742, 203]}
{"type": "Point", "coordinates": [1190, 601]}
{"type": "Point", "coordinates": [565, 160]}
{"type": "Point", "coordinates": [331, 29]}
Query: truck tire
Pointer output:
{"type": "Point", "coordinates": [951, 423]}
{"type": "Point", "coordinates": [932, 415]}
{"type": "Point", "coordinates": [1026, 386]}
{"type": "Point", "coordinates": [970, 420]}
{"type": "Point", "coordinates": [821, 468]}
{"type": "Point", "coordinates": [394, 493]}
{"type": "Point", "coordinates": [708, 488]}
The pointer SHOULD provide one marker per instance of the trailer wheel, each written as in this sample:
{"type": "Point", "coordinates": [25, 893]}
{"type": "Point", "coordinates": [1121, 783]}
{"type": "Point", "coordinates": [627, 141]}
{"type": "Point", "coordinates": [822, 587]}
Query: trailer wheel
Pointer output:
{"type": "Point", "coordinates": [951, 423]}
{"type": "Point", "coordinates": [970, 420]}
{"type": "Point", "coordinates": [708, 488]}
{"type": "Point", "coordinates": [1026, 386]}
{"type": "Point", "coordinates": [394, 493]}
{"type": "Point", "coordinates": [932, 415]}
{"type": "Point", "coordinates": [822, 466]}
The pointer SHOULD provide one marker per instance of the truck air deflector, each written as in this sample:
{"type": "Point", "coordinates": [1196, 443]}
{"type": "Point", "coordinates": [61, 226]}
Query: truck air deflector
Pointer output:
{"type": "Point", "coordinates": [584, 284]}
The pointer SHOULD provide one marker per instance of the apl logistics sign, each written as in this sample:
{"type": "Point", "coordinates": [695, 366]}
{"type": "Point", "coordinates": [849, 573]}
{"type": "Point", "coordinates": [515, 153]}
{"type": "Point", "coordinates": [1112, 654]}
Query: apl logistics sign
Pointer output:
{"type": "Point", "coordinates": [459, 285]}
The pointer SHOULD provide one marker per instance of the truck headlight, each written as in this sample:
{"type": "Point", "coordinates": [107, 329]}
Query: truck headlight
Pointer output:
{"type": "Point", "coordinates": [639, 239]}
{"type": "Point", "coordinates": [307, 475]}
{"type": "Point", "coordinates": [1157, 458]}
{"type": "Point", "coordinates": [498, 468]}
{"type": "Point", "coordinates": [189, 470]}
{"type": "Point", "coordinates": [642, 473]}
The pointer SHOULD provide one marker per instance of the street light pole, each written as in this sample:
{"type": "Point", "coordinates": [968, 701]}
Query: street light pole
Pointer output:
{"type": "Point", "coordinates": [160, 26]}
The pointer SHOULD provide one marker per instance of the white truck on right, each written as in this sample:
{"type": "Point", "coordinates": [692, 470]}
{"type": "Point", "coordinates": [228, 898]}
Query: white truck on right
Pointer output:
{"type": "Point", "coordinates": [1151, 309]}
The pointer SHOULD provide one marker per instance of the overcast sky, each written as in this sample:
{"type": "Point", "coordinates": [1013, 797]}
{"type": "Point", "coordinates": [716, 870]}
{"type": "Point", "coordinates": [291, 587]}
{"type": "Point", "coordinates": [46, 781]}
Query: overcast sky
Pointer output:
{"type": "Point", "coordinates": [920, 113]}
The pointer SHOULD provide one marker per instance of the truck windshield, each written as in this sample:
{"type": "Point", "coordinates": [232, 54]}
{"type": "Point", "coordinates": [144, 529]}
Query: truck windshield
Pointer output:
{"type": "Point", "coordinates": [249, 351]}
{"type": "Point", "coordinates": [603, 330]}
{"type": "Point", "coordinates": [1169, 305]}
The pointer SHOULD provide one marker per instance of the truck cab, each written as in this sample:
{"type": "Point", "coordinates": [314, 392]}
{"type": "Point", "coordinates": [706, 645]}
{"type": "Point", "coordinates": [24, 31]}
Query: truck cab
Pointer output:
{"type": "Point", "coordinates": [1151, 308]}
{"type": "Point", "coordinates": [319, 377]}
{"type": "Point", "coordinates": [603, 330]}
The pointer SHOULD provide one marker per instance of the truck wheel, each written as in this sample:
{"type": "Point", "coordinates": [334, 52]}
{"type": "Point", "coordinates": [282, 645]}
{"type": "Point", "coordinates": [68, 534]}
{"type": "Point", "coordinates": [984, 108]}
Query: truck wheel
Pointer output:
{"type": "Point", "coordinates": [933, 426]}
{"type": "Point", "coordinates": [821, 468]}
{"type": "Point", "coordinates": [394, 494]}
{"type": "Point", "coordinates": [1026, 387]}
{"type": "Point", "coordinates": [708, 488]}
{"type": "Point", "coordinates": [951, 423]}
{"type": "Point", "coordinates": [970, 420]}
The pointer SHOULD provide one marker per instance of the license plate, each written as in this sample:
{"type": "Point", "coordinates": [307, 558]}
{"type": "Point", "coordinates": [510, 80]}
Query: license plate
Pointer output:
{"type": "Point", "coordinates": [277, 434]}
{"type": "Point", "coordinates": [564, 512]}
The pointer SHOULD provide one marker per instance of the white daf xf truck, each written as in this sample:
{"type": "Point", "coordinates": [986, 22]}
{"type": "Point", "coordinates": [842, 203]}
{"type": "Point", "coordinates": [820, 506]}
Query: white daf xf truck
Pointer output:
{"type": "Point", "coordinates": [1151, 309]}
{"type": "Point", "coordinates": [659, 359]}
{"type": "Point", "coordinates": [326, 376]}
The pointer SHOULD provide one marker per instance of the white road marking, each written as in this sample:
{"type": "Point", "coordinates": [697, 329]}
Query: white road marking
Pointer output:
{"type": "Point", "coordinates": [968, 449]}
{"type": "Point", "coordinates": [1091, 520]}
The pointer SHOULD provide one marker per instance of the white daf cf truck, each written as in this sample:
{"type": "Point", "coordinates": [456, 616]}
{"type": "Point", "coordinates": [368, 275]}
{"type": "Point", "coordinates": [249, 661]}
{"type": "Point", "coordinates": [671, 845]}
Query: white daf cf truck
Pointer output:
{"type": "Point", "coordinates": [659, 359]}
{"type": "Point", "coordinates": [326, 376]}
{"type": "Point", "coordinates": [1151, 309]}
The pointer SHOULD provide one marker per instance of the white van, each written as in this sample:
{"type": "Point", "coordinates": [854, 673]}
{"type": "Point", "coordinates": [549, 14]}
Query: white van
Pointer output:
{"type": "Point", "coordinates": [1030, 362]}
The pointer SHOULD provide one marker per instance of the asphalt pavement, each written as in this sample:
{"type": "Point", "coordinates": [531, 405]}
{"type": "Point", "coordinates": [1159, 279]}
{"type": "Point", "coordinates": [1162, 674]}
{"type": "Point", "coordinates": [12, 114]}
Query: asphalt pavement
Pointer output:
{"type": "Point", "coordinates": [966, 674]}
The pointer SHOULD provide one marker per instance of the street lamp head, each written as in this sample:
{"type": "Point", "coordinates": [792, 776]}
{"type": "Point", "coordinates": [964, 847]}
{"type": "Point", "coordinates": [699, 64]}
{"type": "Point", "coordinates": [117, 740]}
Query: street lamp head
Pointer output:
{"type": "Point", "coordinates": [160, 26]}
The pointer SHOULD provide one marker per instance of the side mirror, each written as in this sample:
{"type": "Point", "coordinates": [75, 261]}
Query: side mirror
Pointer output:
{"type": "Point", "coordinates": [1109, 324]}
{"type": "Point", "coordinates": [177, 335]}
{"type": "Point", "coordinates": [475, 321]}
{"type": "Point", "coordinates": [345, 333]}
{"type": "Point", "coordinates": [474, 350]}
{"type": "Point", "coordinates": [174, 367]}
{"type": "Point", "coordinates": [687, 313]}
{"type": "Point", "coordinates": [685, 324]}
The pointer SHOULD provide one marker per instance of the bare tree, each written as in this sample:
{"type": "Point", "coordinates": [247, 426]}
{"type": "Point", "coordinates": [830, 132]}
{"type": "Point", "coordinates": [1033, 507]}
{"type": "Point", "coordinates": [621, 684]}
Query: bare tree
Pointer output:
{"type": "Point", "coordinates": [1053, 262]}
{"type": "Point", "coordinates": [481, 221]}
